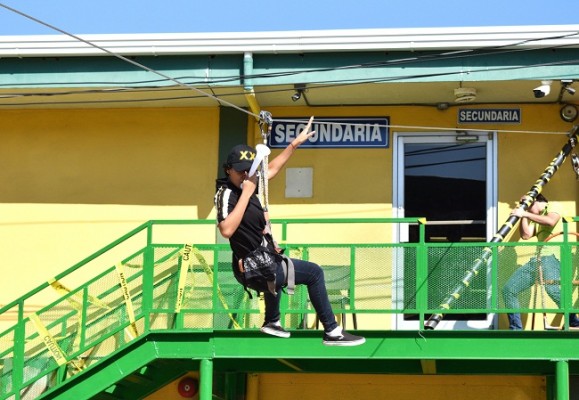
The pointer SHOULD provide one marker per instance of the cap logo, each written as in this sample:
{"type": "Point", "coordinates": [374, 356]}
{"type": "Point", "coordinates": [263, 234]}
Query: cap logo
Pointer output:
{"type": "Point", "coordinates": [246, 155]}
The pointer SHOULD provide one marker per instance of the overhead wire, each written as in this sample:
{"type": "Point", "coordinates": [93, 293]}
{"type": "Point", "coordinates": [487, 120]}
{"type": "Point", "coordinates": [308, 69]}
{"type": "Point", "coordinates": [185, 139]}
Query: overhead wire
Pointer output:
{"type": "Point", "coordinates": [441, 149]}
{"type": "Point", "coordinates": [424, 128]}
{"type": "Point", "coordinates": [438, 56]}
{"type": "Point", "coordinates": [334, 83]}
{"type": "Point", "coordinates": [241, 77]}
{"type": "Point", "coordinates": [482, 51]}
{"type": "Point", "coordinates": [318, 84]}
{"type": "Point", "coordinates": [121, 57]}
{"type": "Point", "coordinates": [465, 160]}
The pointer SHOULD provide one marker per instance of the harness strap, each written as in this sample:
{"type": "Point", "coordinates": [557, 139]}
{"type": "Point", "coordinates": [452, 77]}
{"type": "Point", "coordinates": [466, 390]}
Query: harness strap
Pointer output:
{"type": "Point", "coordinates": [290, 274]}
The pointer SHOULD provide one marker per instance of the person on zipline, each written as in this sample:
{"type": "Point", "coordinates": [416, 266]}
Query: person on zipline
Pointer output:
{"type": "Point", "coordinates": [537, 221]}
{"type": "Point", "coordinates": [241, 219]}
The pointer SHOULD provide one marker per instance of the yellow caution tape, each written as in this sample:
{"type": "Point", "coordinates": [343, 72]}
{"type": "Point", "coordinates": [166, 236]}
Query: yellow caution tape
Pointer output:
{"type": "Point", "coordinates": [127, 296]}
{"type": "Point", "coordinates": [186, 262]}
{"type": "Point", "coordinates": [209, 273]}
{"type": "Point", "coordinates": [76, 299]}
{"type": "Point", "coordinates": [49, 341]}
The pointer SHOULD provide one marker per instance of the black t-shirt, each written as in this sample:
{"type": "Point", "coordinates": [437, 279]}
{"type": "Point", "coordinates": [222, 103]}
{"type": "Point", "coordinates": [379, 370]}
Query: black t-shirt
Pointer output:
{"type": "Point", "coordinates": [249, 234]}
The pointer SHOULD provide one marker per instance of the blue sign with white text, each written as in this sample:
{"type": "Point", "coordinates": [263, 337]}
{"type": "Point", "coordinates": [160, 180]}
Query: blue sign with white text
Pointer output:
{"type": "Point", "coordinates": [366, 132]}
{"type": "Point", "coordinates": [489, 115]}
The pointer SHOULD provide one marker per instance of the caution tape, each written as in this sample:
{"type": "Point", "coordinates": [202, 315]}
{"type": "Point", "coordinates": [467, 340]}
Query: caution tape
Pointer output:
{"type": "Point", "coordinates": [49, 341]}
{"type": "Point", "coordinates": [185, 265]}
{"type": "Point", "coordinates": [76, 299]}
{"type": "Point", "coordinates": [209, 273]}
{"type": "Point", "coordinates": [76, 302]}
{"type": "Point", "coordinates": [127, 296]}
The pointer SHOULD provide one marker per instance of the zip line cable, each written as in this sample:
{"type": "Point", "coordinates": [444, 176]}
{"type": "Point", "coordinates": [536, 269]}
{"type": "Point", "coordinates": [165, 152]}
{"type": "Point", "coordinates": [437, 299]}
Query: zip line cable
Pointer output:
{"type": "Point", "coordinates": [325, 123]}
{"type": "Point", "coordinates": [422, 128]}
{"type": "Point", "coordinates": [334, 84]}
{"type": "Point", "coordinates": [221, 101]}
{"type": "Point", "coordinates": [437, 57]}
{"type": "Point", "coordinates": [121, 57]}
{"type": "Point", "coordinates": [428, 57]}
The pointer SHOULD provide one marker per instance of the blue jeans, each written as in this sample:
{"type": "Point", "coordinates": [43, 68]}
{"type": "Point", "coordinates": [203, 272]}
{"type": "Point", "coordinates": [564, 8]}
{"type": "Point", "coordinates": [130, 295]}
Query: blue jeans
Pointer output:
{"type": "Point", "coordinates": [311, 275]}
{"type": "Point", "coordinates": [524, 277]}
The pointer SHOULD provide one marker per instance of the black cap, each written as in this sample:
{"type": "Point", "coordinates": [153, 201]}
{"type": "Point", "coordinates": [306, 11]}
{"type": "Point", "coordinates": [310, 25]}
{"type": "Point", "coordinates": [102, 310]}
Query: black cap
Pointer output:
{"type": "Point", "coordinates": [241, 157]}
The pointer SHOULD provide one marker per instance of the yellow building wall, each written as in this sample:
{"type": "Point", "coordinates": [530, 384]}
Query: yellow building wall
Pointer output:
{"type": "Point", "coordinates": [370, 387]}
{"type": "Point", "coordinates": [400, 387]}
{"type": "Point", "coordinates": [75, 180]}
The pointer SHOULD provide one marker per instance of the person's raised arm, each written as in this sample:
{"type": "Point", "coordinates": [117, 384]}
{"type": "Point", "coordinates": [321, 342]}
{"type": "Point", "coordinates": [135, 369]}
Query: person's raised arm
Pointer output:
{"type": "Point", "coordinates": [278, 162]}
{"type": "Point", "coordinates": [527, 230]}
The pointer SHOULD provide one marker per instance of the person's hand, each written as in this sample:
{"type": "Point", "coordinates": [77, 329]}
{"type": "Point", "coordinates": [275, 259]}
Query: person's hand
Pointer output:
{"type": "Point", "coordinates": [249, 183]}
{"type": "Point", "coordinates": [518, 212]}
{"type": "Point", "coordinates": [304, 135]}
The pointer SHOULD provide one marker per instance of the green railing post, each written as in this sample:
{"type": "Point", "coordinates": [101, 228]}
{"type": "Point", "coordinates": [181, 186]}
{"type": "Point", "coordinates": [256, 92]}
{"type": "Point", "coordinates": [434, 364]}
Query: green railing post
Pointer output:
{"type": "Point", "coordinates": [206, 379]}
{"type": "Point", "coordinates": [148, 277]}
{"type": "Point", "coordinates": [494, 278]}
{"type": "Point", "coordinates": [18, 354]}
{"type": "Point", "coordinates": [421, 272]}
{"type": "Point", "coordinates": [562, 379]}
{"type": "Point", "coordinates": [83, 317]}
{"type": "Point", "coordinates": [566, 273]}
{"type": "Point", "coordinates": [215, 288]}
{"type": "Point", "coordinates": [284, 232]}
{"type": "Point", "coordinates": [352, 283]}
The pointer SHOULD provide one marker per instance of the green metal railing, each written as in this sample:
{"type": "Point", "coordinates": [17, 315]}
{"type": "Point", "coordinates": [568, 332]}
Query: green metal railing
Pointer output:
{"type": "Point", "coordinates": [160, 282]}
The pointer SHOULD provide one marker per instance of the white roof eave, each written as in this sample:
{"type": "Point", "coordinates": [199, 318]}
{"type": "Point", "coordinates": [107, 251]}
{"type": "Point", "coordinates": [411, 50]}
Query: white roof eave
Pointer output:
{"type": "Point", "coordinates": [415, 39]}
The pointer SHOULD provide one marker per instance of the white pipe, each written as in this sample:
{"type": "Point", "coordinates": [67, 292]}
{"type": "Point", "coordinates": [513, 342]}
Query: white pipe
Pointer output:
{"type": "Point", "coordinates": [261, 151]}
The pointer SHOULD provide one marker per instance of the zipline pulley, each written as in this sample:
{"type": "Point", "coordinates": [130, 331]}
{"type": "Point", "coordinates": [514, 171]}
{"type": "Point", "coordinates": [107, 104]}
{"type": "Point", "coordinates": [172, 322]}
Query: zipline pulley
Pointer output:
{"type": "Point", "coordinates": [265, 124]}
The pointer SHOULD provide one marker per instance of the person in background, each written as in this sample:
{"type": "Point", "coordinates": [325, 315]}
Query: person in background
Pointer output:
{"type": "Point", "coordinates": [539, 221]}
{"type": "Point", "coordinates": [241, 219]}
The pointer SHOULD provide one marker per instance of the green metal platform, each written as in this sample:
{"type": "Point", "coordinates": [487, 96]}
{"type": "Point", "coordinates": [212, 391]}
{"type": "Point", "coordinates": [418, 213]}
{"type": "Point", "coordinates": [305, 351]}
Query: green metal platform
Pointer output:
{"type": "Point", "coordinates": [165, 308]}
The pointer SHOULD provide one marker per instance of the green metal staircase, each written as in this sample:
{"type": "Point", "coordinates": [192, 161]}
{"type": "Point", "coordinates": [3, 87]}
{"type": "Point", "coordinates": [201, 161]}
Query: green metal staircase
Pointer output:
{"type": "Point", "coordinates": [147, 309]}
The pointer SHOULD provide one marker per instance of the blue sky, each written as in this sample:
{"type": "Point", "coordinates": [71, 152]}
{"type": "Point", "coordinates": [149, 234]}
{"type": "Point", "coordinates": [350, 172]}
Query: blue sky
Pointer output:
{"type": "Point", "coordinates": [171, 16]}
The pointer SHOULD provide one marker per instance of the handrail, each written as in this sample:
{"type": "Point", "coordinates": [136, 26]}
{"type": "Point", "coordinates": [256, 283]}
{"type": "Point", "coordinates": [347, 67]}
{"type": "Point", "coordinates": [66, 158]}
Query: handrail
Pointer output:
{"type": "Point", "coordinates": [79, 264]}
{"type": "Point", "coordinates": [138, 295]}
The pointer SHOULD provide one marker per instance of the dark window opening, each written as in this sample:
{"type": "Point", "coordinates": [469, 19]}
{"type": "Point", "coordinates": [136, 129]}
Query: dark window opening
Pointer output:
{"type": "Point", "coordinates": [446, 184]}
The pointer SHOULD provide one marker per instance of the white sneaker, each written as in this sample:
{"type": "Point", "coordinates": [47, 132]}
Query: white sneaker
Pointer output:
{"type": "Point", "coordinates": [339, 337]}
{"type": "Point", "coordinates": [274, 329]}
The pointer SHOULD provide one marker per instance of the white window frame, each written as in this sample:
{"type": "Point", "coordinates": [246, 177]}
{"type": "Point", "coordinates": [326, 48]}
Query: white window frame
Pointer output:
{"type": "Point", "coordinates": [401, 231]}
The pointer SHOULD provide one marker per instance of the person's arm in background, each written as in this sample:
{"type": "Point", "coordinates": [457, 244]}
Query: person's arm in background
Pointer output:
{"type": "Point", "coordinates": [527, 230]}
